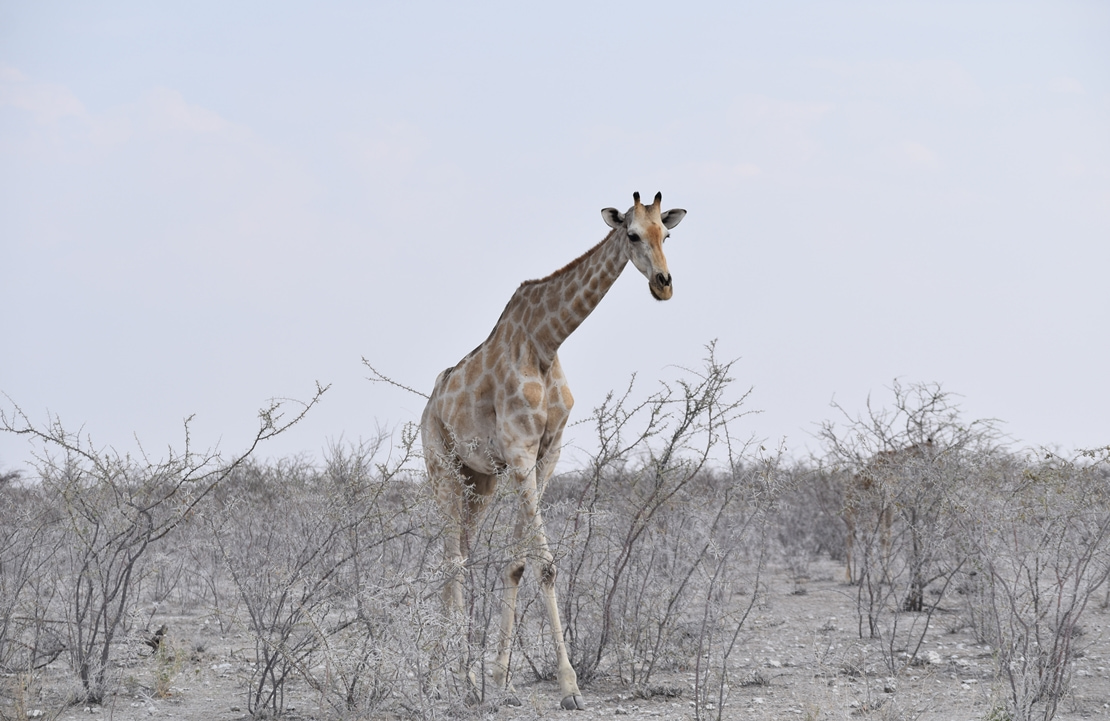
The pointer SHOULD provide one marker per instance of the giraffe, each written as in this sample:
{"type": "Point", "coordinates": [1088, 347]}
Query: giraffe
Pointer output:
{"type": "Point", "coordinates": [500, 413]}
{"type": "Point", "coordinates": [869, 490]}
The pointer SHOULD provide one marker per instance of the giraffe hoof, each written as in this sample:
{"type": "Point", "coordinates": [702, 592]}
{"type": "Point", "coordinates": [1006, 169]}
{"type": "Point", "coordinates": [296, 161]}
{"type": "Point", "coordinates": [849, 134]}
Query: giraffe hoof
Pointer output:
{"type": "Point", "coordinates": [511, 700]}
{"type": "Point", "coordinates": [574, 702]}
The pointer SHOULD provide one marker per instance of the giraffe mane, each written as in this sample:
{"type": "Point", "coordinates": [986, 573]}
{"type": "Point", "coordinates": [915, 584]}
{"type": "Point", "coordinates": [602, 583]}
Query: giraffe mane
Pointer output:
{"type": "Point", "coordinates": [571, 265]}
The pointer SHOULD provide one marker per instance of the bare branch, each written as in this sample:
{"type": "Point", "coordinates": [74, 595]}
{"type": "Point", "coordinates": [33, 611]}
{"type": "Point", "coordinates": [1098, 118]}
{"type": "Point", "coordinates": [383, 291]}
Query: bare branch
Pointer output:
{"type": "Point", "coordinates": [380, 377]}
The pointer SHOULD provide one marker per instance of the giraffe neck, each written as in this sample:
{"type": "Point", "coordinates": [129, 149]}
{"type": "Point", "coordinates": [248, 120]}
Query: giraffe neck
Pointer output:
{"type": "Point", "coordinates": [552, 308]}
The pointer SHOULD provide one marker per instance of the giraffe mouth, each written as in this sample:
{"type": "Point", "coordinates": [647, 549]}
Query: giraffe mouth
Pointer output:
{"type": "Point", "coordinates": [662, 292]}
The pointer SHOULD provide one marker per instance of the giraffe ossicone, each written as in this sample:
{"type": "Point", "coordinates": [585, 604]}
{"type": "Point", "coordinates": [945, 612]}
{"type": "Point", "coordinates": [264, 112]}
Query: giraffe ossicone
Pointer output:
{"type": "Point", "coordinates": [499, 413]}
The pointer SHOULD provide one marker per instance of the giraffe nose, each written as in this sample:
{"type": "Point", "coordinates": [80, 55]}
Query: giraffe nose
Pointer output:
{"type": "Point", "coordinates": [663, 280]}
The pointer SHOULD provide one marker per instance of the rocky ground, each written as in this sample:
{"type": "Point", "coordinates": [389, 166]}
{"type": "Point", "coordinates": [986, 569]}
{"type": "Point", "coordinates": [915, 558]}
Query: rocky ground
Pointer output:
{"type": "Point", "coordinates": [801, 658]}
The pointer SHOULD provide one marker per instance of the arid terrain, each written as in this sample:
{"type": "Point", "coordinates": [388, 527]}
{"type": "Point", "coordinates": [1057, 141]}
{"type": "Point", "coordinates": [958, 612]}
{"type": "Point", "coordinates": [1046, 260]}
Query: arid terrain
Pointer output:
{"type": "Point", "coordinates": [801, 659]}
{"type": "Point", "coordinates": [688, 587]}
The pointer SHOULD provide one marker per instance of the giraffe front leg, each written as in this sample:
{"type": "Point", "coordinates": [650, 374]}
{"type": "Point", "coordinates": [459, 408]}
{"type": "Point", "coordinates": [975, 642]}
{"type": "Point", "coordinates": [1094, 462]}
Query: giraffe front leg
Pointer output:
{"type": "Point", "coordinates": [568, 679]}
{"type": "Point", "coordinates": [545, 574]}
{"type": "Point", "coordinates": [501, 676]}
{"type": "Point", "coordinates": [452, 586]}
{"type": "Point", "coordinates": [455, 608]}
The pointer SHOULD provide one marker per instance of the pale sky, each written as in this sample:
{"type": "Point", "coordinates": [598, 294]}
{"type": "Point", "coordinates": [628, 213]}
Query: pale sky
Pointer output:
{"type": "Point", "coordinates": [207, 206]}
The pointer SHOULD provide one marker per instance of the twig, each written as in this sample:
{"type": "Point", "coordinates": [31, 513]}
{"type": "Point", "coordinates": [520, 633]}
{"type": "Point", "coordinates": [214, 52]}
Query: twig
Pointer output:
{"type": "Point", "coordinates": [382, 378]}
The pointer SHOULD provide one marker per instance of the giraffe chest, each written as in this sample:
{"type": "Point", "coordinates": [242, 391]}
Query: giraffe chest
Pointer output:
{"type": "Point", "coordinates": [531, 409]}
{"type": "Point", "coordinates": [508, 418]}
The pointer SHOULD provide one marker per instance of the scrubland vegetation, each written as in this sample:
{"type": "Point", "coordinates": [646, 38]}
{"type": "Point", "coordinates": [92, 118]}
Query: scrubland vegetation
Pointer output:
{"type": "Point", "coordinates": [664, 541]}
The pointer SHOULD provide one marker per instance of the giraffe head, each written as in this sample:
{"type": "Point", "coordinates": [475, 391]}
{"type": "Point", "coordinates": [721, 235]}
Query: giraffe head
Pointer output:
{"type": "Point", "coordinates": [645, 228]}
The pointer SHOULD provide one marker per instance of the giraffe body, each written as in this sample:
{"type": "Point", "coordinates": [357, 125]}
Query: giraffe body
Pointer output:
{"type": "Point", "coordinates": [500, 412]}
{"type": "Point", "coordinates": [869, 492]}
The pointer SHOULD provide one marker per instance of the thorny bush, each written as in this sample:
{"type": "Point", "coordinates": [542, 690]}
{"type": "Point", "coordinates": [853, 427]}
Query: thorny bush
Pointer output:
{"type": "Point", "coordinates": [662, 539]}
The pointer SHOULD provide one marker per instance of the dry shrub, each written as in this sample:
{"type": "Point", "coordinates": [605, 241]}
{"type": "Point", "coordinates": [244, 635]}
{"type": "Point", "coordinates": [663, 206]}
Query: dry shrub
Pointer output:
{"type": "Point", "coordinates": [662, 540]}
{"type": "Point", "coordinates": [902, 467]}
{"type": "Point", "coordinates": [107, 512]}
{"type": "Point", "coordinates": [1039, 531]}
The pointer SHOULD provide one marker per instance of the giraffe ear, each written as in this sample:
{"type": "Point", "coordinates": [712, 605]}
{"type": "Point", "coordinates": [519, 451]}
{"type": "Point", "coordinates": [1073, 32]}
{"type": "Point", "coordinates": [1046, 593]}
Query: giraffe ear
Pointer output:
{"type": "Point", "coordinates": [613, 217]}
{"type": "Point", "coordinates": [673, 217]}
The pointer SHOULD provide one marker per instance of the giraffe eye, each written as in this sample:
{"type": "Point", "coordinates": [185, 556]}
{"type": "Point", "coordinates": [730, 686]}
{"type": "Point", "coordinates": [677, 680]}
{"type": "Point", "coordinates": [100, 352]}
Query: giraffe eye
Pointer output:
{"type": "Point", "coordinates": [634, 238]}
